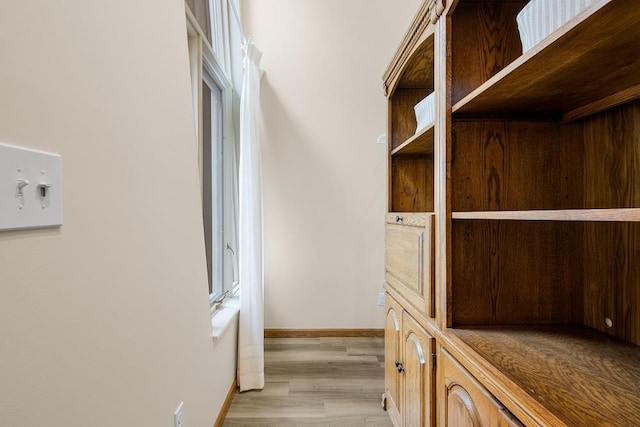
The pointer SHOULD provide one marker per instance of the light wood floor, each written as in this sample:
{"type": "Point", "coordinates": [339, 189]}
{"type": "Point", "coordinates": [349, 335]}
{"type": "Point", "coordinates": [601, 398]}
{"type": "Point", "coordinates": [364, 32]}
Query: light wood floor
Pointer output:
{"type": "Point", "coordinates": [316, 381]}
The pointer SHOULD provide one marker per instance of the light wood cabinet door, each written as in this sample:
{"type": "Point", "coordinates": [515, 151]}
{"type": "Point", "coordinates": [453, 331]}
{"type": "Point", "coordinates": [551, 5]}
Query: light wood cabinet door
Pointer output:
{"type": "Point", "coordinates": [461, 411]}
{"type": "Point", "coordinates": [409, 259]}
{"type": "Point", "coordinates": [392, 356]}
{"type": "Point", "coordinates": [418, 375]}
{"type": "Point", "coordinates": [466, 403]}
{"type": "Point", "coordinates": [506, 419]}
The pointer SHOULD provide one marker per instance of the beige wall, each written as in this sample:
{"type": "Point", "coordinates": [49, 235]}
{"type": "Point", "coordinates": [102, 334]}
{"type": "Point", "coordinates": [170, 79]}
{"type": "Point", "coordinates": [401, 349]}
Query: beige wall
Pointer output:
{"type": "Point", "coordinates": [324, 173]}
{"type": "Point", "coordinates": [105, 322]}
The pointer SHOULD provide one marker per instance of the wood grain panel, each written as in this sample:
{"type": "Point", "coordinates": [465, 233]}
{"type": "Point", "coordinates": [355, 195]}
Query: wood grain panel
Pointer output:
{"type": "Point", "coordinates": [512, 272]}
{"type": "Point", "coordinates": [485, 39]}
{"type": "Point", "coordinates": [612, 158]}
{"type": "Point", "coordinates": [412, 184]}
{"type": "Point", "coordinates": [583, 377]}
{"type": "Point", "coordinates": [612, 279]}
{"type": "Point", "coordinates": [402, 115]}
{"type": "Point", "coordinates": [517, 165]}
{"type": "Point", "coordinates": [404, 260]}
{"type": "Point", "coordinates": [418, 71]}
{"type": "Point", "coordinates": [612, 180]}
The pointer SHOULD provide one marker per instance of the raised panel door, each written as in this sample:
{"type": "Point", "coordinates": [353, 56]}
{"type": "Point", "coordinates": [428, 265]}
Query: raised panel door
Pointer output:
{"type": "Point", "coordinates": [409, 258]}
{"type": "Point", "coordinates": [466, 402]}
{"type": "Point", "coordinates": [392, 356]}
{"type": "Point", "coordinates": [461, 411]}
{"type": "Point", "coordinates": [418, 376]}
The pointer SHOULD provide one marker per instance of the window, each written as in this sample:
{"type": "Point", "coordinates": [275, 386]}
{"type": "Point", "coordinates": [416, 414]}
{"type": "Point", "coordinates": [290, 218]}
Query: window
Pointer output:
{"type": "Point", "coordinates": [213, 99]}
{"type": "Point", "coordinates": [213, 180]}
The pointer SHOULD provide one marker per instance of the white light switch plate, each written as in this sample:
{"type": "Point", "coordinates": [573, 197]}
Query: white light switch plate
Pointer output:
{"type": "Point", "coordinates": [38, 203]}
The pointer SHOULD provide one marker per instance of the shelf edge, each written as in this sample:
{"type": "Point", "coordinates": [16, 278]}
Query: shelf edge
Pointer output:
{"type": "Point", "coordinates": [605, 215]}
{"type": "Point", "coordinates": [429, 128]}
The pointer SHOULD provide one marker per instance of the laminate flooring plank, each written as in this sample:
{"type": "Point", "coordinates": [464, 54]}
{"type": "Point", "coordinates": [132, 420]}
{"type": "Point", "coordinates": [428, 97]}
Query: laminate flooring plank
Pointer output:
{"type": "Point", "coordinates": [253, 405]}
{"type": "Point", "coordinates": [368, 347]}
{"type": "Point", "coordinates": [378, 421]}
{"type": "Point", "coordinates": [283, 371]}
{"type": "Point", "coordinates": [347, 406]}
{"type": "Point", "coordinates": [272, 345]}
{"type": "Point", "coordinates": [274, 388]}
{"type": "Point", "coordinates": [316, 381]}
{"type": "Point", "coordinates": [292, 341]}
{"type": "Point", "coordinates": [316, 356]}
{"type": "Point", "coordinates": [381, 421]}
{"type": "Point", "coordinates": [368, 388]}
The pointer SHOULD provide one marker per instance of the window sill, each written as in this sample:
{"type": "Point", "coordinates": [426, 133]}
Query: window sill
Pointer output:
{"type": "Point", "coordinates": [223, 317]}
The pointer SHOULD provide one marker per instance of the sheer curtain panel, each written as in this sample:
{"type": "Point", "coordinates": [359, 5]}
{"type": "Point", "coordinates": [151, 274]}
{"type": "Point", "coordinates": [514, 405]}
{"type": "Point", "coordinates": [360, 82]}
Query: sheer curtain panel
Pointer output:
{"type": "Point", "coordinates": [251, 333]}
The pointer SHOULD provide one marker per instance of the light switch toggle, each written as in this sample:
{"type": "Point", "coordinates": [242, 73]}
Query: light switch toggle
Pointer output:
{"type": "Point", "coordinates": [21, 184]}
{"type": "Point", "coordinates": [43, 190]}
{"type": "Point", "coordinates": [43, 194]}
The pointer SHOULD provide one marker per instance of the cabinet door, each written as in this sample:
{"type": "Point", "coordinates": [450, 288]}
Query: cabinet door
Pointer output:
{"type": "Point", "coordinates": [506, 419]}
{"type": "Point", "coordinates": [461, 411]}
{"type": "Point", "coordinates": [418, 376]}
{"type": "Point", "coordinates": [409, 259]}
{"type": "Point", "coordinates": [392, 356]}
{"type": "Point", "coordinates": [466, 402]}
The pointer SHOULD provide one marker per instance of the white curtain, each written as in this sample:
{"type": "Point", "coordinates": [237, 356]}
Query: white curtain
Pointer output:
{"type": "Point", "coordinates": [251, 333]}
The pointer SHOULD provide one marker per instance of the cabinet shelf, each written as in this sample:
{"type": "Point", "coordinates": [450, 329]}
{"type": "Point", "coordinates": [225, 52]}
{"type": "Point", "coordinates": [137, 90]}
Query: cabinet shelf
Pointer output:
{"type": "Point", "coordinates": [420, 143]}
{"type": "Point", "coordinates": [608, 215]}
{"type": "Point", "coordinates": [558, 76]}
{"type": "Point", "coordinates": [582, 376]}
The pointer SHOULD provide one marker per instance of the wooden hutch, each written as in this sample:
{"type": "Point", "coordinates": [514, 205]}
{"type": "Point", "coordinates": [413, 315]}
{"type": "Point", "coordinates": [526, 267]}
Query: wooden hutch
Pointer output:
{"type": "Point", "coordinates": [513, 225]}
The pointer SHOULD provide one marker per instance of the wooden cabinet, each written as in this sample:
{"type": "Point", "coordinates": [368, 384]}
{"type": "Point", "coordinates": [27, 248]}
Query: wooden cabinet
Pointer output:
{"type": "Point", "coordinates": [409, 370]}
{"type": "Point", "coordinates": [522, 201]}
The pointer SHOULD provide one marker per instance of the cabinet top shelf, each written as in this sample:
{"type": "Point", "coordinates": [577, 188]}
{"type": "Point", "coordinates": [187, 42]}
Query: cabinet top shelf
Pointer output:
{"type": "Point", "coordinates": [586, 66]}
{"type": "Point", "coordinates": [414, 56]}
{"type": "Point", "coordinates": [557, 364]}
{"type": "Point", "coordinates": [610, 215]}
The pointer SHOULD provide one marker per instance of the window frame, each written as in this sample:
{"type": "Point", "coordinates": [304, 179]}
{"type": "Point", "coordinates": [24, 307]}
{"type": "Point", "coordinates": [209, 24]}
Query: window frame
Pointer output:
{"type": "Point", "coordinates": [205, 64]}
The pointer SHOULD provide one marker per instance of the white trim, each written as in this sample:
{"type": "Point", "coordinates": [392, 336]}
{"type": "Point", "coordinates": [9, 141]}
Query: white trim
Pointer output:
{"type": "Point", "coordinates": [224, 317]}
{"type": "Point", "coordinates": [236, 15]}
{"type": "Point", "coordinates": [226, 30]}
